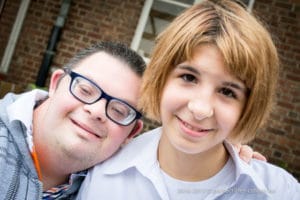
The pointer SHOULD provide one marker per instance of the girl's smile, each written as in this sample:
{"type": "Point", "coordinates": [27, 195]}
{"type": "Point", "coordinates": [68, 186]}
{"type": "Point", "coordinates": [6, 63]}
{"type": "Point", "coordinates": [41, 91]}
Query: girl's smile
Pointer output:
{"type": "Point", "coordinates": [194, 131]}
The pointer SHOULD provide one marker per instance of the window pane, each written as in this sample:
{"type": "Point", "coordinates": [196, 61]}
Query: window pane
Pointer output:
{"type": "Point", "coordinates": [161, 14]}
{"type": "Point", "coordinates": [245, 2]}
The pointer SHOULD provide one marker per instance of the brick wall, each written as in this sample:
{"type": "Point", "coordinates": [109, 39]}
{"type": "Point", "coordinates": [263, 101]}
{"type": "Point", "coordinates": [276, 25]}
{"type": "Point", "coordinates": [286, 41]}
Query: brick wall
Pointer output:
{"type": "Point", "coordinates": [93, 20]}
{"type": "Point", "coordinates": [280, 139]}
{"type": "Point", "coordinates": [87, 22]}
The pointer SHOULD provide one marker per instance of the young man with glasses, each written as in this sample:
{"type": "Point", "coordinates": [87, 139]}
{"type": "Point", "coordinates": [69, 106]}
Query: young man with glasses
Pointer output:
{"type": "Point", "coordinates": [47, 140]}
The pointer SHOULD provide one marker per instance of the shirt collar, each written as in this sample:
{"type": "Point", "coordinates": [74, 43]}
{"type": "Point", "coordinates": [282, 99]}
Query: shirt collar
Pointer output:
{"type": "Point", "coordinates": [244, 170]}
{"type": "Point", "coordinates": [143, 156]}
{"type": "Point", "coordinates": [66, 189]}
{"type": "Point", "coordinates": [138, 153]}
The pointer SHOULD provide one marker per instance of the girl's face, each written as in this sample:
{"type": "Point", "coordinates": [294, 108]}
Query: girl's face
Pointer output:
{"type": "Point", "coordinates": [201, 102]}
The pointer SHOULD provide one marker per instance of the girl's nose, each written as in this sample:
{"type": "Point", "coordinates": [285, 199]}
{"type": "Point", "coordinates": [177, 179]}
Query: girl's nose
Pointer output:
{"type": "Point", "coordinates": [201, 108]}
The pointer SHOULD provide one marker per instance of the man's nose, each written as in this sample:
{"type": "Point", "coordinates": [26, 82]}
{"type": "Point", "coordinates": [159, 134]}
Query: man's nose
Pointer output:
{"type": "Point", "coordinates": [97, 109]}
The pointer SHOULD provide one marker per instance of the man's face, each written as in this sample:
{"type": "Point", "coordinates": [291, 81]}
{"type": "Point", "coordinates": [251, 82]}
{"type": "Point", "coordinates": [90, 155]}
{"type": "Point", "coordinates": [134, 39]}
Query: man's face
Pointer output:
{"type": "Point", "coordinates": [82, 132]}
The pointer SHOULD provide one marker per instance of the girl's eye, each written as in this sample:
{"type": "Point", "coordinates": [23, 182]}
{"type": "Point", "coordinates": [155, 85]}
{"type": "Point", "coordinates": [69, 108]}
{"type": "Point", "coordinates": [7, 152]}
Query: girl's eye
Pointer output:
{"type": "Point", "coordinates": [188, 78]}
{"type": "Point", "coordinates": [228, 93]}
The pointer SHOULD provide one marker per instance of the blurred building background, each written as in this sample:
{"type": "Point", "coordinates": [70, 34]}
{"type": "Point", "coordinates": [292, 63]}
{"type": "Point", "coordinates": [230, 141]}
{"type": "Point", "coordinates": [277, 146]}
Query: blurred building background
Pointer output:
{"type": "Point", "coordinates": [37, 36]}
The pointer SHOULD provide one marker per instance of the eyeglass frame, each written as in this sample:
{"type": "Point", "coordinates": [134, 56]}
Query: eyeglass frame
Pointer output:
{"type": "Point", "coordinates": [104, 95]}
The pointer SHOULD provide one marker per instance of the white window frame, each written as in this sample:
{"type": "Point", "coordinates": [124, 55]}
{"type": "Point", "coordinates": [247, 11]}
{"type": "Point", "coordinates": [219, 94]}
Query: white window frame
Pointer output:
{"type": "Point", "coordinates": [145, 14]}
{"type": "Point", "coordinates": [14, 35]}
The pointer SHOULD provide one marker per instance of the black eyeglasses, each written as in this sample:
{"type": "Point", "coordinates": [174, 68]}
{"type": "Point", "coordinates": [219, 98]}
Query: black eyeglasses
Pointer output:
{"type": "Point", "coordinates": [89, 92]}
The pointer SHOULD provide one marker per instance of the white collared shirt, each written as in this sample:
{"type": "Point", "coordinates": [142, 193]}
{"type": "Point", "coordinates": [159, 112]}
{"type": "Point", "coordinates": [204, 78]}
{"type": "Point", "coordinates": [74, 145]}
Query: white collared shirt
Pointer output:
{"type": "Point", "coordinates": [134, 173]}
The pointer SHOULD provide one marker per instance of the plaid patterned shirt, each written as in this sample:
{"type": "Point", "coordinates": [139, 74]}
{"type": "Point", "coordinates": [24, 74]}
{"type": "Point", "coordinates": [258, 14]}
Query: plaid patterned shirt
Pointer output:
{"type": "Point", "coordinates": [55, 192]}
{"type": "Point", "coordinates": [61, 190]}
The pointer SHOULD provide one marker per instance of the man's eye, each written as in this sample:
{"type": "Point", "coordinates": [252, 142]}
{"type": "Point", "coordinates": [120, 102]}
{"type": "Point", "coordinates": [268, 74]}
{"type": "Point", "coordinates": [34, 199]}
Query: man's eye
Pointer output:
{"type": "Point", "coordinates": [118, 111]}
{"type": "Point", "coordinates": [188, 78]}
{"type": "Point", "coordinates": [85, 90]}
{"type": "Point", "coordinates": [228, 93]}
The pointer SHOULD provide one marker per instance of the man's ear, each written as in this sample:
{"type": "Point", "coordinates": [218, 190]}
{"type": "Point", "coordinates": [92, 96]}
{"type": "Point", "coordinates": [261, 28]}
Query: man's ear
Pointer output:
{"type": "Point", "coordinates": [54, 81]}
{"type": "Point", "coordinates": [137, 129]}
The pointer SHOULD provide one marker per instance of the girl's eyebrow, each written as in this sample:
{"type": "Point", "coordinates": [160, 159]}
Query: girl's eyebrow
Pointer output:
{"type": "Point", "coordinates": [237, 86]}
{"type": "Point", "coordinates": [234, 85]}
{"type": "Point", "coordinates": [189, 68]}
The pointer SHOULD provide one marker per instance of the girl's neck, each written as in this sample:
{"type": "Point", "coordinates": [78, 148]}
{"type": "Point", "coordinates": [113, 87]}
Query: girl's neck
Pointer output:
{"type": "Point", "coordinates": [191, 167]}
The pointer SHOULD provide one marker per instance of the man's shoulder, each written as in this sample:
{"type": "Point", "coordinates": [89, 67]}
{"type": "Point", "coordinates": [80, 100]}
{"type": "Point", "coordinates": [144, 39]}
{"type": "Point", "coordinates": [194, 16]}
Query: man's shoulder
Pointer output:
{"type": "Point", "coordinates": [8, 99]}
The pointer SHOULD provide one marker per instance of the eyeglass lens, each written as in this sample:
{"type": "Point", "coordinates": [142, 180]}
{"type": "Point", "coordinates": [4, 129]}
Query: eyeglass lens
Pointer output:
{"type": "Point", "coordinates": [87, 92]}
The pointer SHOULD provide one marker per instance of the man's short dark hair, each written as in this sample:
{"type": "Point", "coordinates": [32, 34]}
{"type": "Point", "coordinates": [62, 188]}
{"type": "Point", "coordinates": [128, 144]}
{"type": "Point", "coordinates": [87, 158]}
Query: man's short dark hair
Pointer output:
{"type": "Point", "coordinates": [115, 49]}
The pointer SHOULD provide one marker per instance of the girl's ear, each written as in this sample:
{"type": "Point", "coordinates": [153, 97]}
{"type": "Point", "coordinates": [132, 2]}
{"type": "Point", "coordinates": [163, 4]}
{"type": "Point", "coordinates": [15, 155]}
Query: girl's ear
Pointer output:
{"type": "Point", "coordinates": [54, 81]}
